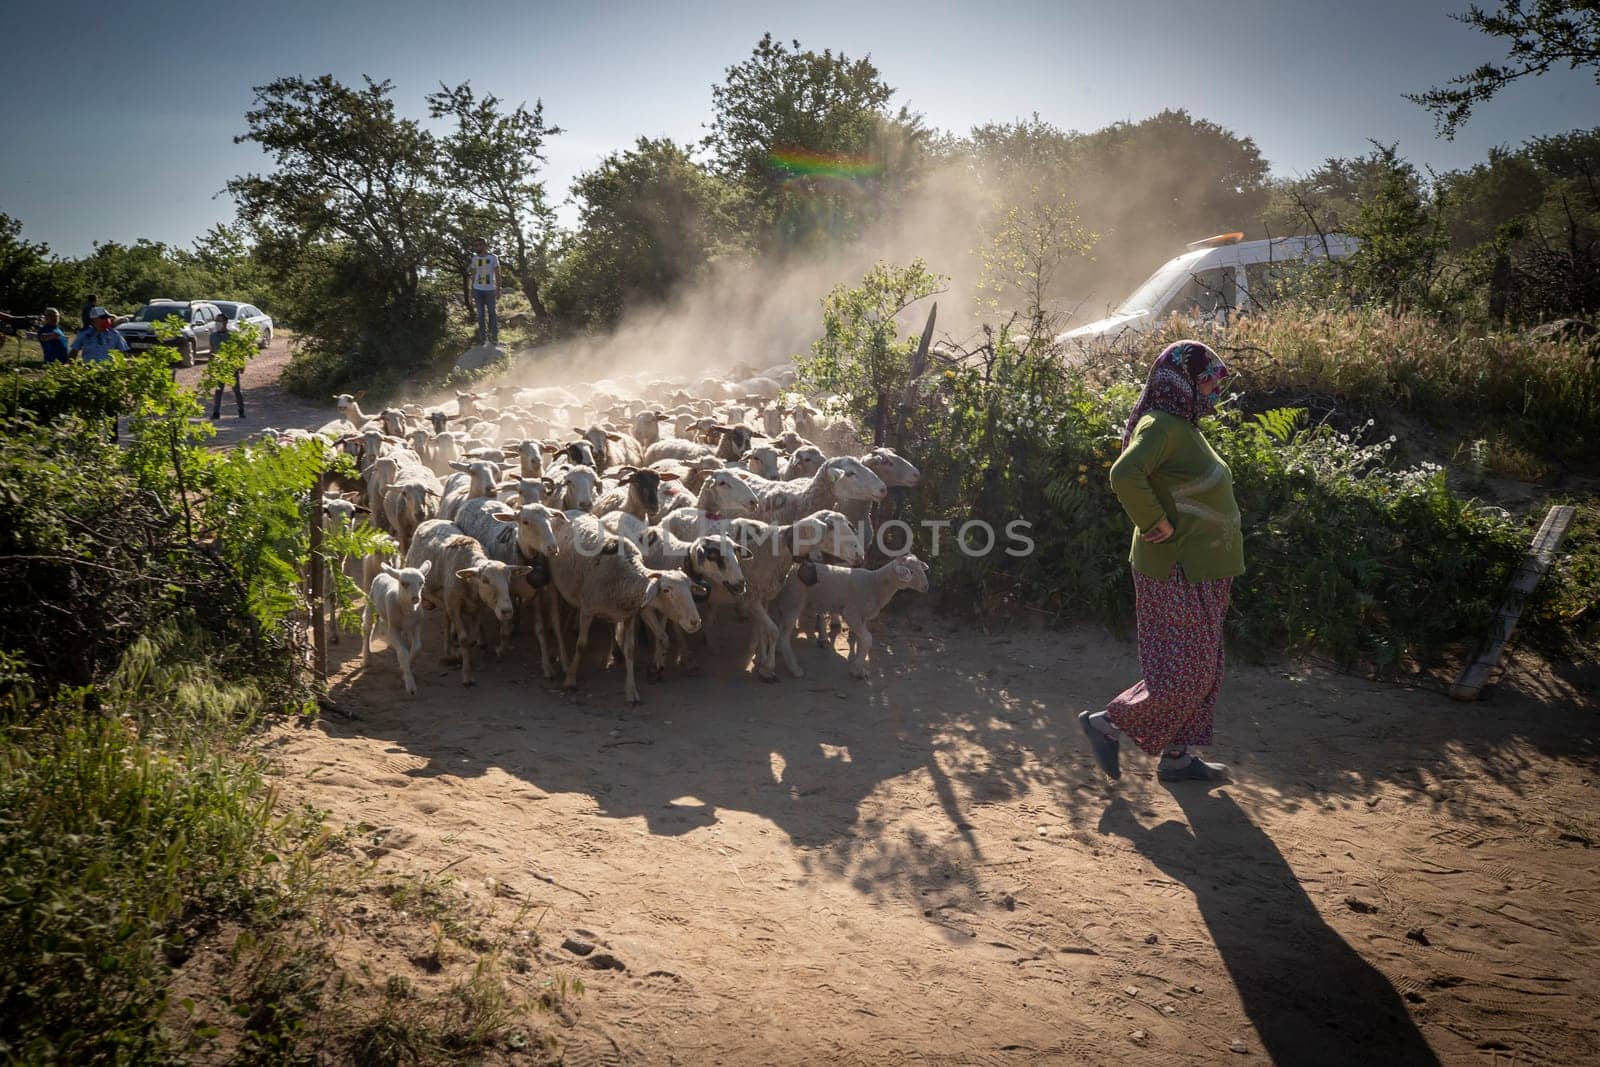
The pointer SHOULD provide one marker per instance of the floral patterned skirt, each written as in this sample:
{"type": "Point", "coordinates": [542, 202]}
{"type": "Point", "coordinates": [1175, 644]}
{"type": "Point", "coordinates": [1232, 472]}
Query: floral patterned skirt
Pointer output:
{"type": "Point", "coordinates": [1180, 653]}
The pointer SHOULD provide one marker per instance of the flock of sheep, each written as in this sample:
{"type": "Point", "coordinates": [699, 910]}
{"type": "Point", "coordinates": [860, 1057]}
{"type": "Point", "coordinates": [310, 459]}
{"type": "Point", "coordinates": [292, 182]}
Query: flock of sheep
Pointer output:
{"type": "Point", "coordinates": [624, 501]}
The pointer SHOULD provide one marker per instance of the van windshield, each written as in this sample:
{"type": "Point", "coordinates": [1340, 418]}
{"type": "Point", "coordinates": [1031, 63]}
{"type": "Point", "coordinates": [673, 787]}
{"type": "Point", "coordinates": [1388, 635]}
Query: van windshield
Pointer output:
{"type": "Point", "coordinates": [1144, 298]}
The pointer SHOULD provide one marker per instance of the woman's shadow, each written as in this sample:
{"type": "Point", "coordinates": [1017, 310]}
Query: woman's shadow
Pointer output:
{"type": "Point", "coordinates": [1311, 997]}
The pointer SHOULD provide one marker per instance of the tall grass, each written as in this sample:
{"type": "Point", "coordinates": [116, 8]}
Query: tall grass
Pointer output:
{"type": "Point", "coordinates": [1544, 393]}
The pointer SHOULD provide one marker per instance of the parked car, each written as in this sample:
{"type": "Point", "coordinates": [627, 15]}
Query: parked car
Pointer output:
{"type": "Point", "coordinates": [197, 316]}
{"type": "Point", "coordinates": [1211, 282]}
{"type": "Point", "coordinates": [238, 313]}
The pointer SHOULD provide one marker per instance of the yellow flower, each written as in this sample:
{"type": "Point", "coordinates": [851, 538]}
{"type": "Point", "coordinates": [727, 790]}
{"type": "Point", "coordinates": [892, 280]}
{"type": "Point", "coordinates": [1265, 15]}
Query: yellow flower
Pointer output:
{"type": "Point", "coordinates": [1083, 468]}
{"type": "Point", "coordinates": [1083, 479]}
{"type": "Point", "coordinates": [1106, 464]}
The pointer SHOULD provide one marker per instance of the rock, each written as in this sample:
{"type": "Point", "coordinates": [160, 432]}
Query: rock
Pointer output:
{"type": "Point", "coordinates": [479, 357]}
{"type": "Point", "coordinates": [1008, 902]}
{"type": "Point", "coordinates": [605, 961]}
{"type": "Point", "coordinates": [1151, 939]}
{"type": "Point", "coordinates": [1139, 1037]}
{"type": "Point", "coordinates": [1132, 991]}
{"type": "Point", "coordinates": [1240, 1047]}
{"type": "Point", "coordinates": [1356, 904]}
{"type": "Point", "coordinates": [577, 946]}
{"type": "Point", "coordinates": [1418, 934]}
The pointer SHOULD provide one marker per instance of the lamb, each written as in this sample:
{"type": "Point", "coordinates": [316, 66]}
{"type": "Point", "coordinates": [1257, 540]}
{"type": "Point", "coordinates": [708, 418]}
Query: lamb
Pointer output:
{"type": "Point", "coordinates": [578, 487]}
{"type": "Point", "coordinates": [712, 566]}
{"type": "Point", "coordinates": [495, 527]}
{"type": "Point", "coordinates": [856, 594]}
{"type": "Point", "coordinates": [395, 603]}
{"type": "Point", "coordinates": [733, 441]}
{"type": "Point", "coordinates": [469, 585]}
{"type": "Point", "coordinates": [723, 496]}
{"type": "Point", "coordinates": [338, 515]}
{"type": "Point", "coordinates": [604, 577]}
{"type": "Point", "coordinates": [774, 550]}
{"type": "Point", "coordinates": [647, 428]}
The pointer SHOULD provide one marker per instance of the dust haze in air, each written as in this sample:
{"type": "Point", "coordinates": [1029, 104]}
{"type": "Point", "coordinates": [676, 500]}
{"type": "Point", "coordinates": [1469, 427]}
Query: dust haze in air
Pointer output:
{"type": "Point", "coordinates": [1140, 190]}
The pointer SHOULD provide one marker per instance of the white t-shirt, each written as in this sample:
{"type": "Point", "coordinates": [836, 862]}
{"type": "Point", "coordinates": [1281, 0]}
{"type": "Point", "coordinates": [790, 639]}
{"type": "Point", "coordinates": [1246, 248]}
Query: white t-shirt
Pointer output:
{"type": "Point", "coordinates": [485, 271]}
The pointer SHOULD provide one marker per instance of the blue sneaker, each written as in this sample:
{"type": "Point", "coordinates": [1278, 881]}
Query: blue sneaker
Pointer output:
{"type": "Point", "coordinates": [1105, 749]}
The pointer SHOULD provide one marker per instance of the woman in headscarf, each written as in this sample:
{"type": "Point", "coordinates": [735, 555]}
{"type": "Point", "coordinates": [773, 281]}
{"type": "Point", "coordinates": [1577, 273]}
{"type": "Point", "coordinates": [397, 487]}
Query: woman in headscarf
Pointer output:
{"type": "Point", "coordinates": [1187, 549]}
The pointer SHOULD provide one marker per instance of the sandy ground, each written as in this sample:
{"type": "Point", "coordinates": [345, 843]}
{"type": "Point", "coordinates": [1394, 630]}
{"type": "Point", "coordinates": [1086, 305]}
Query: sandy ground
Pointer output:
{"type": "Point", "coordinates": [927, 868]}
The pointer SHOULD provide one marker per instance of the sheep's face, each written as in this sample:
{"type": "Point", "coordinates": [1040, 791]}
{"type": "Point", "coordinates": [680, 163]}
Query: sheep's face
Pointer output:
{"type": "Point", "coordinates": [672, 594]}
{"type": "Point", "coordinates": [836, 536]}
{"type": "Point", "coordinates": [645, 486]}
{"type": "Point", "coordinates": [529, 454]}
{"type": "Point", "coordinates": [806, 462]}
{"type": "Point", "coordinates": [762, 460]}
{"type": "Point", "coordinates": [853, 481]}
{"type": "Point", "coordinates": [418, 439]}
{"type": "Point", "coordinates": [415, 504]}
{"type": "Point", "coordinates": [491, 580]}
{"type": "Point", "coordinates": [410, 581]}
{"type": "Point", "coordinates": [911, 573]}
{"type": "Point", "coordinates": [892, 469]}
{"type": "Point", "coordinates": [483, 474]}
{"type": "Point", "coordinates": [346, 402]}
{"type": "Point", "coordinates": [341, 512]}
{"type": "Point", "coordinates": [583, 454]}
{"type": "Point", "coordinates": [730, 492]}
{"type": "Point", "coordinates": [580, 486]}
{"type": "Point", "coordinates": [716, 559]}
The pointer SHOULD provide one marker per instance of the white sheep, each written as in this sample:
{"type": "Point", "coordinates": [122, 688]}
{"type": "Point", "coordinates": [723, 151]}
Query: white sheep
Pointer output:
{"type": "Point", "coordinates": [723, 496]}
{"type": "Point", "coordinates": [856, 594]}
{"type": "Point", "coordinates": [395, 603]}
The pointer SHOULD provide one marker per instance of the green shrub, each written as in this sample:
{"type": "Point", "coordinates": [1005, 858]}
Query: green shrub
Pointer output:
{"type": "Point", "coordinates": [1348, 553]}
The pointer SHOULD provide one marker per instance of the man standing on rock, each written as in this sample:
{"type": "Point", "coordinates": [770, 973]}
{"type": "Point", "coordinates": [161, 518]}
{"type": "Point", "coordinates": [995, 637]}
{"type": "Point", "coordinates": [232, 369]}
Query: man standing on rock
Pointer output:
{"type": "Point", "coordinates": [485, 270]}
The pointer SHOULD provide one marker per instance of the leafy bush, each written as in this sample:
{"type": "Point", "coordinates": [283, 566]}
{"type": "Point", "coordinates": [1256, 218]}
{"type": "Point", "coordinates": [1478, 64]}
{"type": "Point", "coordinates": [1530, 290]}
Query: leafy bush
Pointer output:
{"type": "Point", "coordinates": [1348, 553]}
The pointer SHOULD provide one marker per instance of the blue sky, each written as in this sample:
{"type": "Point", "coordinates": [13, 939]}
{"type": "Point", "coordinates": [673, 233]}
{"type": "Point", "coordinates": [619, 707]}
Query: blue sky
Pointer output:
{"type": "Point", "coordinates": [131, 136]}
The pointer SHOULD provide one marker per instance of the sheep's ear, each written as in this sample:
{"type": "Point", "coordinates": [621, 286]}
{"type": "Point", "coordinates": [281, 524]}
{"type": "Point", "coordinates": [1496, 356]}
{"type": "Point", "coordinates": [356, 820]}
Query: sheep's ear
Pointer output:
{"type": "Point", "coordinates": [651, 588]}
{"type": "Point", "coordinates": [669, 476]}
{"type": "Point", "coordinates": [501, 516]}
{"type": "Point", "coordinates": [834, 473]}
{"type": "Point", "coordinates": [468, 575]}
{"type": "Point", "coordinates": [548, 484]}
{"type": "Point", "coordinates": [519, 571]}
{"type": "Point", "coordinates": [458, 465]}
{"type": "Point", "coordinates": [613, 437]}
{"type": "Point", "coordinates": [391, 571]}
{"type": "Point", "coordinates": [902, 572]}
{"type": "Point", "coordinates": [353, 496]}
{"type": "Point", "coordinates": [427, 565]}
{"type": "Point", "coordinates": [742, 552]}
{"type": "Point", "coordinates": [358, 394]}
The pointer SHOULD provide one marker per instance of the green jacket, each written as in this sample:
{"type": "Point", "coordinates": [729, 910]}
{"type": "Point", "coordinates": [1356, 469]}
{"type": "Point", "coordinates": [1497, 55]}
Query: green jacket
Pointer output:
{"type": "Point", "coordinates": [1169, 471]}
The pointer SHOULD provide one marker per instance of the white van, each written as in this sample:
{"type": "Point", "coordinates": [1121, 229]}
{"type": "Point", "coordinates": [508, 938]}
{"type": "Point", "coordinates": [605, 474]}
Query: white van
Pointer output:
{"type": "Point", "coordinates": [1209, 283]}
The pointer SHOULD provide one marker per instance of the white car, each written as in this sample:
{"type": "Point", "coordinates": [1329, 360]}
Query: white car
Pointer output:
{"type": "Point", "coordinates": [238, 312]}
{"type": "Point", "coordinates": [1208, 283]}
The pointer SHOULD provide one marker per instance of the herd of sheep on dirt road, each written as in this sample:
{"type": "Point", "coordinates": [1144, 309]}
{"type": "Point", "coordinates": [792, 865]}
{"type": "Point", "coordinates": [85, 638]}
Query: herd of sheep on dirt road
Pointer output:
{"type": "Point", "coordinates": [625, 501]}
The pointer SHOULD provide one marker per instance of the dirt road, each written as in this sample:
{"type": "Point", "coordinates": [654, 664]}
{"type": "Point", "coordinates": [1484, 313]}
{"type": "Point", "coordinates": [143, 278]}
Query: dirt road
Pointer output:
{"type": "Point", "coordinates": [926, 868]}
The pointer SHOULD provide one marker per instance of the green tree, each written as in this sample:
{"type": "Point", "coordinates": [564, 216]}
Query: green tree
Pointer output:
{"type": "Point", "coordinates": [808, 136]}
{"type": "Point", "coordinates": [651, 219]}
{"type": "Point", "coordinates": [31, 279]}
{"type": "Point", "coordinates": [1540, 35]}
{"type": "Point", "coordinates": [1402, 236]}
{"type": "Point", "coordinates": [348, 223]}
{"type": "Point", "coordinates": [492, 160]}
{"type": "Point", "coordinates": [862, 354]}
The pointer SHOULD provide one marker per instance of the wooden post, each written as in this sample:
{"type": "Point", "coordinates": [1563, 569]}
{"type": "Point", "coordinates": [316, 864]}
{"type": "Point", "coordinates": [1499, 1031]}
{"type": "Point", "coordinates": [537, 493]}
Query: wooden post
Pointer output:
{"type": "Point", "coordinates": [1534, 564]}
{"type": "Point", "coordinates": [319, 637]}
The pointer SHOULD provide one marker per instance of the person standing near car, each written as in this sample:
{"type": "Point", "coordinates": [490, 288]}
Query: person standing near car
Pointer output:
{"type": "Point", "coordinates": [1187, 549]}
{"type": "Point", "coordinates": [96, 342]}
{"type": "Point", "coordinates": [219, 336]}
{"type": "Point", "coordinates": [99, 339]}
{"type": "Point", "coordinates": [485, 270]}
{"type": "Point", "coordinates": [52, 338]}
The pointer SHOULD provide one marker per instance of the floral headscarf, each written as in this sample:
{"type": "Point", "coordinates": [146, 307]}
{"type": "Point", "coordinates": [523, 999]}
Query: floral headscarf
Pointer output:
{"type": "Point", "coordinates": [1174, 384]}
